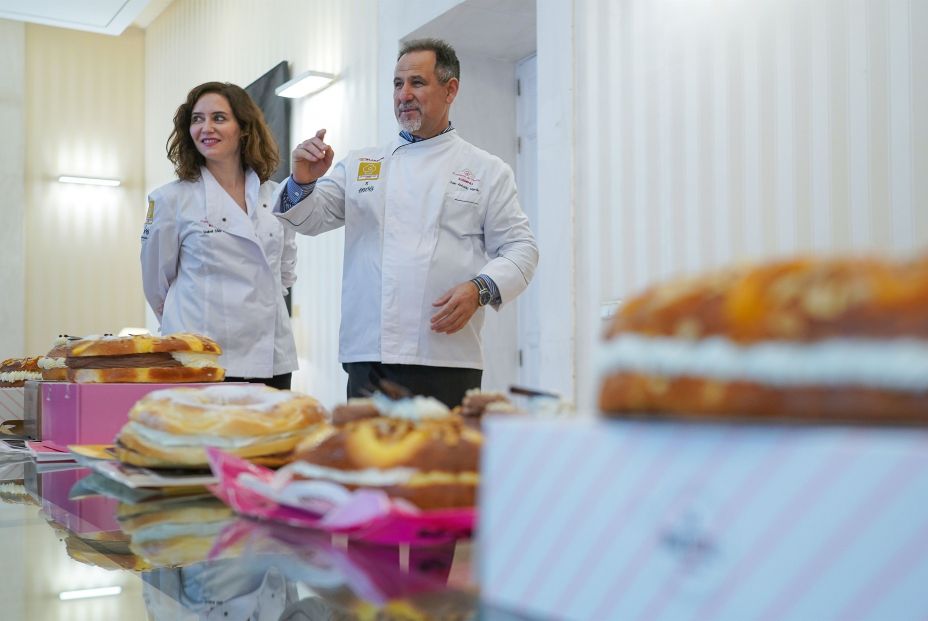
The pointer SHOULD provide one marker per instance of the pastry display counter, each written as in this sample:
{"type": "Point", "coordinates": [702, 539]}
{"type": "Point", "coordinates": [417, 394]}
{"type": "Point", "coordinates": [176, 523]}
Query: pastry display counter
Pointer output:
{"type": "Point", "coordinates": [191, 558]}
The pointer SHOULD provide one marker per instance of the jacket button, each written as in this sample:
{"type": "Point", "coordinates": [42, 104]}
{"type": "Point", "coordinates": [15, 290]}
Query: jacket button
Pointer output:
{"type": "Point", "coordinates": [265, 205]}
{"type": "Point", "coordinates": [223, 219]}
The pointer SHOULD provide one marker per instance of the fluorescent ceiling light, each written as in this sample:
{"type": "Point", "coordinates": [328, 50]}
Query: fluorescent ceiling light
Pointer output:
{"type": "Point", "coordinates": [306, 83]}
{"type": "Point", "coordinates": [85, 593]}
{"type": "Point", "coordinates": [89, 180]}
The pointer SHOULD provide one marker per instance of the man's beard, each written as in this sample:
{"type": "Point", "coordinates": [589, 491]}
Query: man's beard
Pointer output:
{"type": "Point", "coordinates": [408, 124]}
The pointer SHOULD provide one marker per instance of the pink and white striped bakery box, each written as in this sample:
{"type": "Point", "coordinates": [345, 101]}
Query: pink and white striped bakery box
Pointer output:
{"type": "Point", "coordinates": [597, 520]}
{"type": "Point", "coordinates": [11, 404]}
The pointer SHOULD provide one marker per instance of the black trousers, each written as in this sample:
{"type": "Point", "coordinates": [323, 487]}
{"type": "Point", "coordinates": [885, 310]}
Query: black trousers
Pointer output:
{"type": "Point", "coordinates": [281, 382]}
{"type": "Point", "coordinates": [447, 384]}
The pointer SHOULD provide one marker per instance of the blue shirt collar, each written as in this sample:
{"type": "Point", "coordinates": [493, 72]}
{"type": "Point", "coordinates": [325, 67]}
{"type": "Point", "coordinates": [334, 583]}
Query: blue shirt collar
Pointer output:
{"type": "Point", "coordinates": [405, 135]}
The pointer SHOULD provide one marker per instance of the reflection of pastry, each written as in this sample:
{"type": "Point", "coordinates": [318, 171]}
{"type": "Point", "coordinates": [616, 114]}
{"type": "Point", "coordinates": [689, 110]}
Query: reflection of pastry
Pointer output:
{"type": "Point", "coordinates": [105, 553]}
{"type": "Point", "coordinates": [446, 605]}
{"type": "Point", "coordinates": [105, 549]}
{"type": "Point", "coordinates": [14, 492]}
{"type": "Point", "coordinates": [838, 339]}
{"type": "Point", "coordinates": [144, 358]}
{"type": "Point", "coordinates": [53, 364]}
{"type": "Point", "coordinates": [476, 403]}
{"type": "Point", "coordinates": [432, 460]}
{"type": "Point", "coordinates": [172, 427]}
{"type": "Point", "coordinates": [174, 532]}
{"type": "Point", "coordinates": [15, 371]}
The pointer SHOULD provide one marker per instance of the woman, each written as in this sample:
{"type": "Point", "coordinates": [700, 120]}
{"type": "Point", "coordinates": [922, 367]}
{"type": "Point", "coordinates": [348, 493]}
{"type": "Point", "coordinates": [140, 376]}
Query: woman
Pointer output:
{"type": "Point", "coordinates": [215, 260]}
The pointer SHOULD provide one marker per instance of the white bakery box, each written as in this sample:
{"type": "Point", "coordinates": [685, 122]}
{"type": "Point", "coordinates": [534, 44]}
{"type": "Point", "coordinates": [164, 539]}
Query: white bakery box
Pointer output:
{"type": "Point", "coordinates": [11, 404]}
{"type": "Point", "coordinates": [591, 519]}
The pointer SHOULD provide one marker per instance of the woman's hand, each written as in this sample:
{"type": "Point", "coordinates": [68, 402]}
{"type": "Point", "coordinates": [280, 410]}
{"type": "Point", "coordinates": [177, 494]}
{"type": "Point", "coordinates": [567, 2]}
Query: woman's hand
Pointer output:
{"type": "Point", "coordinates": [311, 159]}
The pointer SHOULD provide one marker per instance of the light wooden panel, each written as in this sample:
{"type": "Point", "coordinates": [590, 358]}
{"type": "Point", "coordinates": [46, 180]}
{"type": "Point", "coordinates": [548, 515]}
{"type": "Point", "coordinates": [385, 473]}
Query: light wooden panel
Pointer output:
{"type": "Point", "coordinates": [714, 131]}
{"type": "Point", "coordinates": [83, 117]}
{"type": "Point", "coordinates": [194, 42]}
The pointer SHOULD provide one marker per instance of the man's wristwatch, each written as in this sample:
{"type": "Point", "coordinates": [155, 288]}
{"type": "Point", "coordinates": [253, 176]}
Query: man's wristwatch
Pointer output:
{"type": "Point", "coordinates": [483, 291]}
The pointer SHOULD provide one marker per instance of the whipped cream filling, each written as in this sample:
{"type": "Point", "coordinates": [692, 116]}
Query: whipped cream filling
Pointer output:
{"type": "Point", "coordinates": [251, 397]}
{"type": "Point", "coordinates": [195, 360]}
{"type": "Point", "coordinates": [163, 438]}
{"type": "Point", "coordinates": [369, 476]}
{"type": "Point", "coordinates": [894, 364]}
{"type": "Point", "coordinates": [51, 363]}
{"type": "Point", "coordinates": [413, 408]}
{"type": "Point", "coordinates": [19, 376]}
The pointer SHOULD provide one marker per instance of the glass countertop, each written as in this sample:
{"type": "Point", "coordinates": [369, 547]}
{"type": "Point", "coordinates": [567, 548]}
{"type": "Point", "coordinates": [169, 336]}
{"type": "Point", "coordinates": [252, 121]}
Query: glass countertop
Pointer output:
{"type": "Point", "coordinates": [190, 557]}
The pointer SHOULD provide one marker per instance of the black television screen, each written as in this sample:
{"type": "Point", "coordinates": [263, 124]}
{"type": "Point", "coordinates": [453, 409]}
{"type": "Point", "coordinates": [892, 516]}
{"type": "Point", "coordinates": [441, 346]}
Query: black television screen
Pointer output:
{"type": "Point", "coordinates": [276, 112]}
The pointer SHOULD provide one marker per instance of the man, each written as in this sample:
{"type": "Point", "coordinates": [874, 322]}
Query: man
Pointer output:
{"type": "Point", "coordinates": [433, 233]}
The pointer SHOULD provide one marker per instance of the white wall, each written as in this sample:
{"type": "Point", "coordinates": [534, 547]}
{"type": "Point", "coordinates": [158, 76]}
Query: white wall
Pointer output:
{"type": "Point", "coordinates": [193, 42]}
{"type": "Point", "coordinates": [83, 117]}
{"type": "Point", "coordinates": [710, 132]}
{"type": "Point", "coordinates": [12, 189]}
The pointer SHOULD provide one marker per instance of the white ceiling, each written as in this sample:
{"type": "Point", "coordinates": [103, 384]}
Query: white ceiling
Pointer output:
{"type": "Point", "coordinates": [501, 30]}
{"type": "Point", "coordinates": [103, 16]}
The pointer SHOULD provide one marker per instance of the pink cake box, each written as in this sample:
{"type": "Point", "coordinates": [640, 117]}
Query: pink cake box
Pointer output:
{"type": "Point", "coordinates": [87, 515]}
{"type": "Point", "coordinates": [90, 413]}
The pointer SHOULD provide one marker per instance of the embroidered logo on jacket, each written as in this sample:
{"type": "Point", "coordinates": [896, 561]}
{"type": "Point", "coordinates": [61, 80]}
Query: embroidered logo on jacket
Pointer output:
{"type": "Point", "coordinates": [149, 219]}
{"type": "Point", "coordinates": [465, 179]}
{"type": "Point", "coordinates": [368, 170]}
{"type": "Point", "coordinates": [465, 186]}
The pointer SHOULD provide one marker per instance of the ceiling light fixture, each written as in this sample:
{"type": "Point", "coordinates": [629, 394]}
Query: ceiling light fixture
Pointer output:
{"type": "Point", "coordinates": [89, 180]}
{"type": "Point", "coordinates": [86, 593]}
{"type": "Point", "coordinates": [306, 83]}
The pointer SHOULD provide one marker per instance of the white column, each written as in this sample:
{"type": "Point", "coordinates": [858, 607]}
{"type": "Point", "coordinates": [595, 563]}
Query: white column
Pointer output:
{"type": "Point", "coordinates": [558, 286]}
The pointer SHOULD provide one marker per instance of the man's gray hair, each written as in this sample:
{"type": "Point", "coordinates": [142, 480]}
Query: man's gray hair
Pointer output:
{"type": "Point", "coordinates": [447, 65]}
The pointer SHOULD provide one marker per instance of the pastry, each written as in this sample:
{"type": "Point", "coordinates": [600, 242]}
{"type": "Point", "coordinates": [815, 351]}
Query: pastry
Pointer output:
{"type": "Point", "coordinates": [173, 427]}
{"type": "Point", "coordinates": [175, 358]}
{"type": "Point", "coordinates": [54, 363]}
{"type": "Point", "coordinates": [839, 339]}
{"type": "Point", "coordinates": [415, 450]}
{"type": "Point", "coordinates": [15, 371]}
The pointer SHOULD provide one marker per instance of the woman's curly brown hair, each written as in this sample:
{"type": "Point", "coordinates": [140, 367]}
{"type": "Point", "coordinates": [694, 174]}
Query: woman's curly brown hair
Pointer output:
{"type": "Point", "coordinates": [258, 151]}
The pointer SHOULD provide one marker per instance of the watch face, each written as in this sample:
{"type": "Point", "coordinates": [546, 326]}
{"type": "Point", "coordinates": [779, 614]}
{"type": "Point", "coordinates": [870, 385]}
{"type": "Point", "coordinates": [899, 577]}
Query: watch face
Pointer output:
{"type": "Point", "coordinates": [484, 297]}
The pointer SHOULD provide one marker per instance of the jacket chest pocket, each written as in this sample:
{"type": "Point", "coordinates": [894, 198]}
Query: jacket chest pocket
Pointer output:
{"type": "Point", "coordinates": [462, 212]}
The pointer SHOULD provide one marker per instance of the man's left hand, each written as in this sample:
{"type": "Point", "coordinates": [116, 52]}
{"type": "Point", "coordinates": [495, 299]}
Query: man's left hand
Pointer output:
{"type": "Point", "coordinates": [456, 307]}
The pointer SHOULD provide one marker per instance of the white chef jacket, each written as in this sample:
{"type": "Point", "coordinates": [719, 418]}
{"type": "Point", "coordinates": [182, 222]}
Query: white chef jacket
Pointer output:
{"type": "Point", "coordinates": [208, 267]}
{"type": "Point", "coordinates": [419, 219]}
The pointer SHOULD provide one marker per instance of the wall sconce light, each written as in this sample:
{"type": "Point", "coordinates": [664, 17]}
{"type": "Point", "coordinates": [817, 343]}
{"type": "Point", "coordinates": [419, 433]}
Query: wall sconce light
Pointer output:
{"type": "Point", "coordinates": [306, 83]}
{"type": "Point", "coordinates": [87, 593]}
{"type": "Point", "coordinates": [89, 181]}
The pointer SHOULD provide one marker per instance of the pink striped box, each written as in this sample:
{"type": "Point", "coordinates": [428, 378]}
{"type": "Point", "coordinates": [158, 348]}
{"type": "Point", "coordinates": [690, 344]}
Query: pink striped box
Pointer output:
{"type": "Point", "coordinates": [11, 404]}
{"type": "Point", "coordinates": [591, 519]}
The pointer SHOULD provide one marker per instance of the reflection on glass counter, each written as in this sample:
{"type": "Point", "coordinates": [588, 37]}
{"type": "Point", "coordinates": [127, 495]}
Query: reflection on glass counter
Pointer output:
{"type": "Point", "coordinates": [189, 557]}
